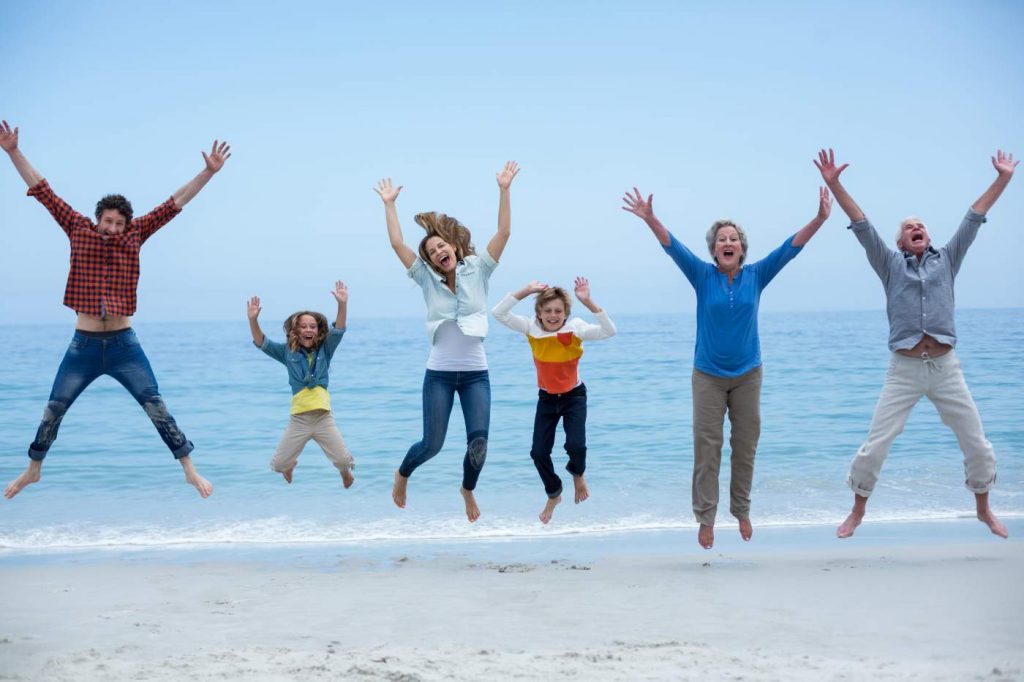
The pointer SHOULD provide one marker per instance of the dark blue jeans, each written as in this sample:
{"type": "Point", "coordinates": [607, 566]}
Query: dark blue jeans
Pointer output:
{"type": "Point", "coordinates": [121, 357]}
{"type": "Point", "coordinates": [439, 389]}
{"type": "Point", "coordinates": [571, 408]}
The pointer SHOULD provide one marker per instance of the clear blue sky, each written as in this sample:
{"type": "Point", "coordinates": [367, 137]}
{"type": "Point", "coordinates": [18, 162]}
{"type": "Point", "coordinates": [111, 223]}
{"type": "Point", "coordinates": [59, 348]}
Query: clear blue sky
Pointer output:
{"type": "Point", "coordinates": [715, 107]}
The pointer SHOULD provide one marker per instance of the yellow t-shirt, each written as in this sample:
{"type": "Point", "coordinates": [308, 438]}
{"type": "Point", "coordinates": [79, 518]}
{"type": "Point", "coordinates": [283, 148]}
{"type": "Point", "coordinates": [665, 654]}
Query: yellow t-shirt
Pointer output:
{"type": "Point", "coordinates": [309, 399]}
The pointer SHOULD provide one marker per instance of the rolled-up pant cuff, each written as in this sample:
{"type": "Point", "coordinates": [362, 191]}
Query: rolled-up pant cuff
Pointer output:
{"type": "Point", "coordinates": [184, 450]}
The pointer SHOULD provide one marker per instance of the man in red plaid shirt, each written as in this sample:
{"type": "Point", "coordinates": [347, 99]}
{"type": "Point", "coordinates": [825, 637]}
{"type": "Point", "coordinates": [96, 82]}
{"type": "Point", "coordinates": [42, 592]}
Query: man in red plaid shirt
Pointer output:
{"type": "Point", "coordinates": [101, 290]}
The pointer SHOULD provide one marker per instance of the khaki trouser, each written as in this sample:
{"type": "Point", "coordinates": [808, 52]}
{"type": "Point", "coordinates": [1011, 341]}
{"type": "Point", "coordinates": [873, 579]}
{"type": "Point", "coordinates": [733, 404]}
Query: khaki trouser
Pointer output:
{"type": "Point", "coordinates": [713, 396]}
{"type": "Point", "coordinates": [942, 381]}
{"type": "Point", "coordinates": [317, 425]}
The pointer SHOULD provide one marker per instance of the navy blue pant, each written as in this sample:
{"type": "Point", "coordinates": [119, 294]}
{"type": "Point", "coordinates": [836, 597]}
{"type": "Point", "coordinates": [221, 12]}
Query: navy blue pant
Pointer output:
{"type": "Point", "coordinates": [120, 356]}
{"type": "Point", "coordinates": [439, 389]}
{"type": "Point", "coordinates": [571, 408]}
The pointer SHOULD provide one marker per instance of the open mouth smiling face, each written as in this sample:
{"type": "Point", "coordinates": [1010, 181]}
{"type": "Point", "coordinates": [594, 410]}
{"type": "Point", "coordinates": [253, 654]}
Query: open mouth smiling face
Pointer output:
{"type": "Point", "coordinates": [307, 331]}
{"type": "Point", "coordinates": [442, 254]}
{"type": "Point", "coordinates": [728, 248]}
{"type": "Point", "coordinates": [914, 236]}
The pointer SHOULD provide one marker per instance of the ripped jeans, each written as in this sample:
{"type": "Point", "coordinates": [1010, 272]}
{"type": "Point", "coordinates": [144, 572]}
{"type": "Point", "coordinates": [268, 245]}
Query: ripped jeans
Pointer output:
{"type": "Point", "coordinates": [439, 389]}
{"type": "Point", "coordinates": [120, 356]}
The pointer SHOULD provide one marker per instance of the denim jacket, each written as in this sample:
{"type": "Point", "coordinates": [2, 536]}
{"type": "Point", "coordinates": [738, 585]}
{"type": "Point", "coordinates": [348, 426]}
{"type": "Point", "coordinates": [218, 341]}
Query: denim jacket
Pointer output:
{"type": "Point", "coordinates": [467, 307]}
{"type": "Point", "coordinates": [300, 374]}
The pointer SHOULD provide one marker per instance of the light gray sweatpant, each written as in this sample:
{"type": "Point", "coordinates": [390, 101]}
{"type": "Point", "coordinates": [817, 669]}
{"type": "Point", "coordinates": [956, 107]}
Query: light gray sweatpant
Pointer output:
{"type": "Point", "coordinates": [317, 425]}
{"type": "Point", "coordinates": [942, 381]}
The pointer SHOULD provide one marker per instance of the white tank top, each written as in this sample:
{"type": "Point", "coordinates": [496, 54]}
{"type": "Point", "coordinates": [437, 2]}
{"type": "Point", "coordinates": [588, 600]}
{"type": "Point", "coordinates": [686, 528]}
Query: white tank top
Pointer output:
{"type": "Point", "coordinates": [453, 351]}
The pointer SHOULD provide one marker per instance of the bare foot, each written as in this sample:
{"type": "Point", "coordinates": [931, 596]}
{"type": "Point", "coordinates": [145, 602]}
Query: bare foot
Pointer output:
{"type": "Point", "coordinates": [193, 478]}
{"type": "Point", "coordinates": [549, 509]}
{"type": "Point", "coordinates": [706, 536]}
{"type": "Point", "coordinates": [985, 515]}
{"type": "Point", "coordinates": [994, 524]}
{"type": "Point", "coordinates": [287, 473]}
{"type": "Point", "coordinates": [746, 530]}
{"type": "Point", "coordinates": [398, 490]}
{"type": "Point", "coordinates": [347, 479]}
{"type": "Point", "coordinates": [472, 511]}
{"type": "Point", "coordinates": [28, 477]}
{"type": "Point", "coordinates": [847, 527]}
{"type": "Point", "coordinates": [582, 492]}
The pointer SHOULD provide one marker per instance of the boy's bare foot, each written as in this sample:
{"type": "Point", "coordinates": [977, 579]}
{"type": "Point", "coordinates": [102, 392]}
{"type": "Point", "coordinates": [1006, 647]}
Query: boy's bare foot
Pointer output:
{"type": "Point", "coordinates": [398, 490]}
{"type": "Point", "coordinates": [706, 536]}
{"type": "Point", "coordinates": [986, 516]}
{"type": "Point", "coordinates": [746, 530]}
{"type": "Point", "coordinates": [580, 484]}
{"type": "Point", "coordinates": [549, 509]}
{"type": "Point", "coordinates": [847, 527]}
{"type": "Point", "coordinates": [472, 511]}
{"type": "Point", "coordinates": [28, 477]}
{"type": "Point", "coordinates": [193, 478]}
{"type": "Point", "coordinates": [287, 473]}
{"type": "Point", "coordinates": [347, 479]}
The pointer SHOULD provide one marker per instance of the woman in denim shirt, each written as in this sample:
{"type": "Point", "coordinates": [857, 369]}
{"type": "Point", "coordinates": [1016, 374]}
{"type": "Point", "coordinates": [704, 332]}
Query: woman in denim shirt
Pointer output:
{"type": "Point", "coordinates": [727, 357]}
{"type": "Point", "coordinates": [454, 281]}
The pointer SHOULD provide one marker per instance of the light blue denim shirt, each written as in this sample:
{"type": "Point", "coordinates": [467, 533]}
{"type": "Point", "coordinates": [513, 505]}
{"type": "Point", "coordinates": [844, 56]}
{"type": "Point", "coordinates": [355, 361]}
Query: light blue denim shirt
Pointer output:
{"type": "Point", "coordinates": [467, 307]}
{"type": "Point", "coordinates": [919, 294]}
{"type": "Point", "coordinates": [300, 373]}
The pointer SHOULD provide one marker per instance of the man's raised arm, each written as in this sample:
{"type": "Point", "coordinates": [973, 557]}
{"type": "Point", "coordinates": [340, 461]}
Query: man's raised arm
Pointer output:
{"type": "Point", "coordinates": [1004, 165]}
{"type": "Point", "coordinates": [826, 163]}
{"type": "Point", "coordinates": [9, 143]}
{"type": "Point", "coordinates": [219, 153]}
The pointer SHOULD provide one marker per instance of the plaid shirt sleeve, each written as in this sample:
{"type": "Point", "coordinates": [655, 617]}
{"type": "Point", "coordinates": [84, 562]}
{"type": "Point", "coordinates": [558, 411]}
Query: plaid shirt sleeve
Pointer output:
{"type": "Point", "coordinates": [68, 218]}
{"type": "Point", "coordinates": [148, 224]}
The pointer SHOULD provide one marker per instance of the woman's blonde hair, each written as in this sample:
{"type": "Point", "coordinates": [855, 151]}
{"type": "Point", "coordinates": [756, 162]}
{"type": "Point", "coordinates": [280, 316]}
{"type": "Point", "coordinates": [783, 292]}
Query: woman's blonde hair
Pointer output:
{"type": "Point", "coordinates": [552, 294]}
{"type": "Point", "coordinates": [447, 228]}
{"type": "Point", "coordinates": [291, 329]}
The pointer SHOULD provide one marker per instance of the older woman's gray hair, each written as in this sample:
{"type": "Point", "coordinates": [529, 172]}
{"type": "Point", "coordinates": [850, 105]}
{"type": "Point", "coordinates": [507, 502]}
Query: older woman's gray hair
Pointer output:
{"type": "Point", "coordinates": [713, 235]}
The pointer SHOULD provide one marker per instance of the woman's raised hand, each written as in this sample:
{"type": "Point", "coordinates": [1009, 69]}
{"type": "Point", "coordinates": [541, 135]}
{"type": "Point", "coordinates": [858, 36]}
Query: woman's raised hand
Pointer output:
{"type": "Point", "coordinates": [635, 204]}
{"type": "Point", "coordinates": [824, 204]}
{"type": "Point", "coordinates": [387, 192]}
{"type": "Point", "coordinates": [507, 174]}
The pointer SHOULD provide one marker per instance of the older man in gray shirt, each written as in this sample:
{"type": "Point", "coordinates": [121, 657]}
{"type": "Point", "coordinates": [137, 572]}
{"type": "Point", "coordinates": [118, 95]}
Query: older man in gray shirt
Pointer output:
{"type": "Point", "coordinates": [918, 282]}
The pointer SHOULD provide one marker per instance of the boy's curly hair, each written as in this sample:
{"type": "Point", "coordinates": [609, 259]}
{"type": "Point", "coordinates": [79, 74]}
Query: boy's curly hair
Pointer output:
{"type": "Point", "coordinates": [291, 329]}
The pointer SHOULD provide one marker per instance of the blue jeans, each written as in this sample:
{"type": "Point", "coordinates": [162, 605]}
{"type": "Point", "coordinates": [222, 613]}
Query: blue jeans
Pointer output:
{"type": "Point", "coordinates": [571, 408]}
{"type": "Point", "coordinates": [121, 357]}
{"type": "Point", "coordinates": [439, 389]}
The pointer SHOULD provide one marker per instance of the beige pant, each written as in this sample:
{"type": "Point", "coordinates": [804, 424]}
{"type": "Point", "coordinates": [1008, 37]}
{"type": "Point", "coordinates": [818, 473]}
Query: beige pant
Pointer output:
{"type": "Point", "coordinates": [942, 381]}
{"type": "Point", "coordinates": [317, 425]}
{"type": "Point", "coordinates": [712, 397]}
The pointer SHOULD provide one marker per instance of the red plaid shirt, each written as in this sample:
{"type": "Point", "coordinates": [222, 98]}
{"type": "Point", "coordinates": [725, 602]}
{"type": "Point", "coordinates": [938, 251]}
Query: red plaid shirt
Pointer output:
{"type": "Point", "coordinates": [104, 268]}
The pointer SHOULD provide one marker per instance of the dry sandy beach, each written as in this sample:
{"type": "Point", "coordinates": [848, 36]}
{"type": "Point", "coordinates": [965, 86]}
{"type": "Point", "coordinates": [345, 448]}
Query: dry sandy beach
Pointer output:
{"type": "Point", "coordinates": [852, 612]}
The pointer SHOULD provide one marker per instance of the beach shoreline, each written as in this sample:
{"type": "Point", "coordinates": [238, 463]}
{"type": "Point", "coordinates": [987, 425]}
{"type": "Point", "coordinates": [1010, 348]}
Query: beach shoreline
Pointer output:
{"type": "Point", "coordinates": [896, 603]}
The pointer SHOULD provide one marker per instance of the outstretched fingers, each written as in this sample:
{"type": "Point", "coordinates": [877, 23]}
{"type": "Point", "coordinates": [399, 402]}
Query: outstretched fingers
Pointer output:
{"type": "Point", "coordinates": [386, 191]}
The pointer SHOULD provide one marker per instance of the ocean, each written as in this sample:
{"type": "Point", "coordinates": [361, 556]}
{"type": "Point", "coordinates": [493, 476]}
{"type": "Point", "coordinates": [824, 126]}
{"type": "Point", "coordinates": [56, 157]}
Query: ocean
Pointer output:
{"type": "Point", "coordinates": [109, 483]}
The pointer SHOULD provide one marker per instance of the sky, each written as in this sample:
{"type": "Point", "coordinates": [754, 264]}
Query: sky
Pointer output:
{"type": "Point", "coordinates": [717, 108]}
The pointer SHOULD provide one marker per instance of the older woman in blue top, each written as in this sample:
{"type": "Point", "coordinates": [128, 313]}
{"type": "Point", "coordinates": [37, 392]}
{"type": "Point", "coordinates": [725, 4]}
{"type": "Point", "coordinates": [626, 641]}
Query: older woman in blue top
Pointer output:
{"type": "Point", "coordinates": [727, 358]}
{"type": "Point", "coordinates": [454, 280]}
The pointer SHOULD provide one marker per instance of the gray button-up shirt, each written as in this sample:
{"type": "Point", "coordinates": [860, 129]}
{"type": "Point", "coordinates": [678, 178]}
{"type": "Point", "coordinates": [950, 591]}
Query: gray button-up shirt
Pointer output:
{"type": "Point", "coordinates": [919, 294]}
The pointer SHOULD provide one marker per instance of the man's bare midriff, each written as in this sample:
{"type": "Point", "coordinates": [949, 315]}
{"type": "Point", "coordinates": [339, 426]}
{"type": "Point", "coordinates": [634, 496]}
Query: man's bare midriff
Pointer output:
{"type": "Point", "coordinates": [926, 345]}
{"type": "Point", "coordinates": [91, 323]}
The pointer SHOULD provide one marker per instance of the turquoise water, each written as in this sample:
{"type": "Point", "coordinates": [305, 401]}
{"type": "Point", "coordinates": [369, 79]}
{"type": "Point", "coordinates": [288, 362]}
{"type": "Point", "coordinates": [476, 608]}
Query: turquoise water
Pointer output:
{"type": "Point", "coordinates": [108, 482]}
